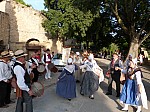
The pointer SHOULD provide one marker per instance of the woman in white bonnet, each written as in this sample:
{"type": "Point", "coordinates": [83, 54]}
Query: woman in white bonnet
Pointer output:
{"type": "Point", "coordinates": [66, 85]}
{"type": "Point", "coordinates": [90, 82]}
{"type": "Point", "coordinates": [133, 92]}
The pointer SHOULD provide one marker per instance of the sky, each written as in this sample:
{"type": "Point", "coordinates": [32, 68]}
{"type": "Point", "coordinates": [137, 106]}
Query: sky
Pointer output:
{"type": "Point", "coordinates": [36, 4]}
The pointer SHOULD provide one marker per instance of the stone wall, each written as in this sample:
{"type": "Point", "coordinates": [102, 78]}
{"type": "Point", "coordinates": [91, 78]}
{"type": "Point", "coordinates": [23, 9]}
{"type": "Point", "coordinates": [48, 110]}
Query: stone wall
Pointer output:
{"type": "Point", "coordinates": [4, 30]}
{"type": "Point", "coordinates": [25, 23]}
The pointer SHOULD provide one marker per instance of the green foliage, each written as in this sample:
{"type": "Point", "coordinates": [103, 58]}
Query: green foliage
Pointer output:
{"type": "Point", "coordinates": [66, 20]}
{"type": "Point", "coordinates": [96, 21]}
{"type": "Point", "coordinates": [131, 15]}
{"type": "Point", "coordinates": [105, 49]}
{"type": "Point", "coordinates": [113, 47]}
{"type": "Point", "coordinates": [21, 1]}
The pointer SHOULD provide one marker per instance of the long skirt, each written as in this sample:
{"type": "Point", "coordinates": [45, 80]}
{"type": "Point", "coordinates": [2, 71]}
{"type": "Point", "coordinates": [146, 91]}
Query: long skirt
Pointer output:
{"type": "Point", "coordinates": [89, 84]}
{"type": "Point", "coordinates": [128, 94]}
{"type": "Point", "coordinates": [66, 87]}
{"type": "Point", "coordinates": [131, 96]}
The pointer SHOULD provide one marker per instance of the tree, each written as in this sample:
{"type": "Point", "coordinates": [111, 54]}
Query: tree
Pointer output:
{"type": "Point", "coordinates": [133, 18]}
{"type": "Point", "coordinates": [112, 48]}
{"type": "Point", "coordinates": [64, 19]}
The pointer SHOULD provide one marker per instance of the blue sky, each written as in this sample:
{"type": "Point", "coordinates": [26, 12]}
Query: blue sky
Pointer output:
{"type": "Point", "coordinates": [36, 4]}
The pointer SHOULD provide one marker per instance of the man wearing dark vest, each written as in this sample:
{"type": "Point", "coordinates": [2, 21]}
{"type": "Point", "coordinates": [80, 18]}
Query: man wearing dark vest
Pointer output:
{"type": "Point", "coordinates": [46, 59]}
{"type": "Point", "coordinates": [115, 74]}
{"type": "Point", "coordinates": [24, 93]}
{"type": "Point", "coordinates": [34, 61]}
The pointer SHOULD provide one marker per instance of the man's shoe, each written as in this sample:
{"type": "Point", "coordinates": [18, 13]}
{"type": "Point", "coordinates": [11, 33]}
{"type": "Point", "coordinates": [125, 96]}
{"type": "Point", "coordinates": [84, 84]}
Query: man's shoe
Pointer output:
{"type": "Point", "coordinates": [108, 93]}
{"type": "Point", "coordinates": [77, 81]}
{"type": "Point", "coordinates": [91, 97]}
{"type": "Point", "coordinates": [69, 99]}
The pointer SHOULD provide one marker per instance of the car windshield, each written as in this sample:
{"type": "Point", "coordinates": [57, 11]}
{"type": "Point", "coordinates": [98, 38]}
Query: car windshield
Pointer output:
{"type": "Point", "coordinates": [58, 56]}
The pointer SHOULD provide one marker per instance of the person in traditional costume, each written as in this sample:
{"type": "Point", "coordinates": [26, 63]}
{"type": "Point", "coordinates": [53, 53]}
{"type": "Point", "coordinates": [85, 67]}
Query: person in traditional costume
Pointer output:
{"type": "Point", "coordinates": [141, 59]}
{"type": "Point", "coordinates": [115, 74]}
{"type": "Point", "coordinates": [90, 81]}
{"type": "Point", "coordinates": [46, 59]}
{"type": "Point", "coordinates": [77, 62]}
{"type": "Point", "coordinates": [34, 61]}
{"type": "Point", "coordinates": [133, 92]}
{"type": "Point", "coordinates": [66, 85]}
{"type": "Point", "coordinates": [5, 80]}
{"type": "Point", "coordinates": [24, 92]}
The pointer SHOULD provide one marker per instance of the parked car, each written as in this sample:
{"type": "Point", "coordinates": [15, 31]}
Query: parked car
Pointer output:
{"type": "Point", "coordinates": [57, 61]}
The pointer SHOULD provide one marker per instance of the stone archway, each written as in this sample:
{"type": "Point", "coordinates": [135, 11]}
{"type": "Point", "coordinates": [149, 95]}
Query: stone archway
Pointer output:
{"type": "Point", "coordinates": [32, 45]}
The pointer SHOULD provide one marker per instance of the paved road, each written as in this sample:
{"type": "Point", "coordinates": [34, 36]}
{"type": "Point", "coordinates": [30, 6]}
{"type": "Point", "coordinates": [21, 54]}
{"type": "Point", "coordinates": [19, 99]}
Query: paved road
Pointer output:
{"type": "Point", "coordinates": [50, 102]}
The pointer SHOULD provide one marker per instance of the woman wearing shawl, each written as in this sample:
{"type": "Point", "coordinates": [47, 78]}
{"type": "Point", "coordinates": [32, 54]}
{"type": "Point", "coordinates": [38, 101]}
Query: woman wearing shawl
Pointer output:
{"type": "Point", "coordinates": [133, 92]}
{"type": "Point", "coordinates": [66, 85]}
{"type": "Point", "coordinates": [90, 82]}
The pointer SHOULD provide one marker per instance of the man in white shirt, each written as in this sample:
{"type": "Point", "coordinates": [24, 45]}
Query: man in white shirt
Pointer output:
{"type": "Point", "coordinates": [34, 61]}
{"type": "Point", "coordinates": [24, 93]}
{"type": "Point", "coordinates": [5, 76]}
{"type": "Point", "coordinates": [46, 59]}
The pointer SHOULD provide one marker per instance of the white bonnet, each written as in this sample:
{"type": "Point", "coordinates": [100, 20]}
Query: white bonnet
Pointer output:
{"type": "Point", "coordinates": [90, 57]}
{"type": "Point", "coordinates": [77, 53]}
{"type": "Point", "coordinates": [70, 60]}
{"type": "Point", "coordinates": [134, 61]}
{"type": "Point", "coordinates": [130, 55]}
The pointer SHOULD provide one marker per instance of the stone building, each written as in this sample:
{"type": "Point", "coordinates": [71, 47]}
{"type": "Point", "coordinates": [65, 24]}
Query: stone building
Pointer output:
{"type": "Point", "coordinates": [4, 30]}
{"type": "Point", "coordinates": [24, 24]}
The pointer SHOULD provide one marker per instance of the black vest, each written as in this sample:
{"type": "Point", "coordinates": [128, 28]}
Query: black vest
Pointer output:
{"type": "Point", "coordinates": [26, 76]}
{"type": "Point", "coordinates": [116, 64]}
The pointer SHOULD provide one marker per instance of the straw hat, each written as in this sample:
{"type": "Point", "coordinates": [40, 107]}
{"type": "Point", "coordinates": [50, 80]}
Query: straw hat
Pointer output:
{"type": "Point", "coordinates": [19, 53]}
{"type": "Point", "coordinates": [5, 54]}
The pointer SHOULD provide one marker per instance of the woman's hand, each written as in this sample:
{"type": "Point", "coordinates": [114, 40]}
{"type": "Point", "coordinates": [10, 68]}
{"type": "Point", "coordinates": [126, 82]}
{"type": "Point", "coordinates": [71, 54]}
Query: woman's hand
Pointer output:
{"type": "Point", "coordinates": [140, 88]}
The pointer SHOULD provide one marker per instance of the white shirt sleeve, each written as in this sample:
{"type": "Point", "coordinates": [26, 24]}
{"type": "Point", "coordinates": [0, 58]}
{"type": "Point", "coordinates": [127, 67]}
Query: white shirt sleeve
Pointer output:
{"type": "Point", "coordinates": [138, 77]}
{"type": "Point", "coordinates": [7, 73]}
{"type": "Point", "coordinates": [19, 71]}
{"type": "Point", "coordinates": [120, 64]}
{"type": "Point", "coordinates": [124, 71]}
{"type": "Point", "coordinates": [42, 60]}
{"type": "Point", "coordinates": [83, 66]}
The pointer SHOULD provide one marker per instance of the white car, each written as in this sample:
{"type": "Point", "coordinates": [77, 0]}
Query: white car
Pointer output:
{"type": "Point", "coordinates": [57, 61]}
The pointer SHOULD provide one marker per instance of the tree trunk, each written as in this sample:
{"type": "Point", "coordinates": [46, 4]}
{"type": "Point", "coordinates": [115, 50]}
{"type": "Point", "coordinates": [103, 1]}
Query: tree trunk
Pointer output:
{"type": "Point", "coordinates": [133, 50]}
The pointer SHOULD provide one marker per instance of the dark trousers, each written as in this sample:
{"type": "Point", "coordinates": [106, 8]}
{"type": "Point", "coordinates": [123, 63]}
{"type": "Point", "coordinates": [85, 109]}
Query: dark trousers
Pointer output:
{"type": "Point", "coordinates": [28, 101]}
{"type": "Point", "coordinates": [36, 75]}
{"type": "Point", "coordinates": [114, 77]}
{"type": "Point", "coordinates": [3, 91]}
{"type": "Point", "coordinates": [8, 92]}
